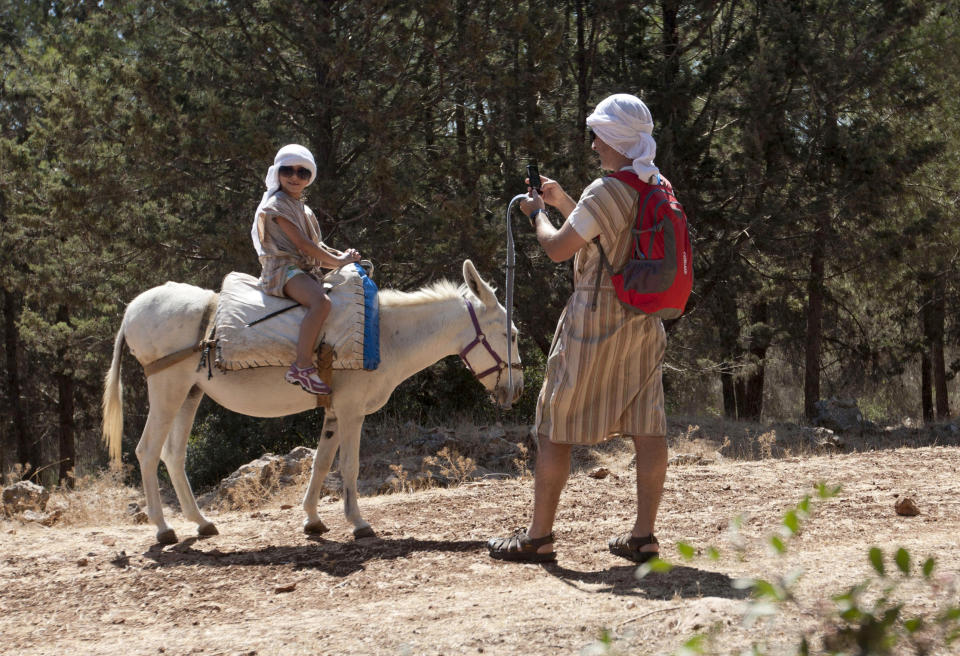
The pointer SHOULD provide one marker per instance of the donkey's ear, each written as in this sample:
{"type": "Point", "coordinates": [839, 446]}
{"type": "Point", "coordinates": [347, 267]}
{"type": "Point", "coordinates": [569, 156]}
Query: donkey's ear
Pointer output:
{"type": "Point", "coordinates": [478, 285]}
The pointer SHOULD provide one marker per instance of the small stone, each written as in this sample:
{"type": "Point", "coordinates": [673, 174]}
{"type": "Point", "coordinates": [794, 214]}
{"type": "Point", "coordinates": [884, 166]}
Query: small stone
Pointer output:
{"type": "Point", "coordinates": [82, 562]}
{"type": "Point", "coordinates": [685, 459]}
{"type": "Point", "coordinates": [285, 506]}
{"type": "Point", "coordinates": [121, 560]}
{"type": "Point", "coordinates": [136, 513]}
{"type": "Point", "coordinates": [905, 506]}
{"type": "Point", "coordinates": [285, 588]}
{"type": "Point", "coordinates": [822, 438]}
{"type": "Point", "coordinates": [24, 495]}
{"type": "Point", "coordinates": [46, 519]}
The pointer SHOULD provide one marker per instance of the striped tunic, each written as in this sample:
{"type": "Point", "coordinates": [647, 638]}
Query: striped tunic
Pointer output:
{"type": "Point", "coordinates": [279, 250]}
{"type": "Point", "coordinates": [604, 371]}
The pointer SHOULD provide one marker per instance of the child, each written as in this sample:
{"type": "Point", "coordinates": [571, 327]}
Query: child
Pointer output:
{"type": "Point", "coordinates": [287, 238]}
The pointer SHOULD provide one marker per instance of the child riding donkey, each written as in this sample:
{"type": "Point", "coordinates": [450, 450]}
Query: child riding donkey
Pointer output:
{"type": "Point", "coordinates": [287, 238]}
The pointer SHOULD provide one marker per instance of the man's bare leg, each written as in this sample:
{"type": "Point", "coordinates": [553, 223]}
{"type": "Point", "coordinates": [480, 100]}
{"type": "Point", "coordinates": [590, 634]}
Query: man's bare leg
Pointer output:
{"type": "Point", "coordinates": [550, 476]}
{"type": "Point", "coordinates": [651, 474]}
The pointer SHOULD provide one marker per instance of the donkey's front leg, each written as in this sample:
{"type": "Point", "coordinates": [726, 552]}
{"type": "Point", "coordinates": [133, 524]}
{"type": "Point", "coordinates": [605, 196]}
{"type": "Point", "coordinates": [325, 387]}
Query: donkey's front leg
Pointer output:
{"type": "Point", "coordinates": [349, 470]}
{"type": "Point", "coordinates": [322, 460]}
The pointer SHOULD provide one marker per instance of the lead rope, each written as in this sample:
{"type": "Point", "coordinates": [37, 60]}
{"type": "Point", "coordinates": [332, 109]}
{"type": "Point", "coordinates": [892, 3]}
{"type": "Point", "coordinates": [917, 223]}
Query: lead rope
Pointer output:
{"type": "Point", "coordinates": [511, 261]}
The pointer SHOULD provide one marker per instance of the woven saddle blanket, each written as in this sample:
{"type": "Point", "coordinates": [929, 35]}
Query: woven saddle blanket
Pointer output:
{"type": "Point", "coordinates": [246, 339]}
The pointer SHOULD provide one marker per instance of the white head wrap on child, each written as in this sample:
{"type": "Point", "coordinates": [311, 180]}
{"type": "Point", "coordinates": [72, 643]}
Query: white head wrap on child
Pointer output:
{"type": "Point", "coordinates": [290, 155]}
{"type": "Point", "coordinates": [625, 124]}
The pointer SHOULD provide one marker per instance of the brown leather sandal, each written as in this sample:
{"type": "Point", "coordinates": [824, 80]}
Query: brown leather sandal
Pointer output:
{"type": "Point", "coordinates": [629, 546]}
{"type": "Point", "coordinates": [521, 548]}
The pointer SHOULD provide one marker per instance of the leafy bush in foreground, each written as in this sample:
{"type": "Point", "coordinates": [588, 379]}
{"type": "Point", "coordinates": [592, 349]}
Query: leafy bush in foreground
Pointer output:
{"type": "Point", "coordinates": [869, 618]}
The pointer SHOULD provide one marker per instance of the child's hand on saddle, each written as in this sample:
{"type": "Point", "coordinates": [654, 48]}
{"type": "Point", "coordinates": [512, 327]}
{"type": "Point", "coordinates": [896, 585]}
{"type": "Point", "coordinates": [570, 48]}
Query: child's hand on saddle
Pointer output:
{"type": "Point", "coordinates": [349, 255]}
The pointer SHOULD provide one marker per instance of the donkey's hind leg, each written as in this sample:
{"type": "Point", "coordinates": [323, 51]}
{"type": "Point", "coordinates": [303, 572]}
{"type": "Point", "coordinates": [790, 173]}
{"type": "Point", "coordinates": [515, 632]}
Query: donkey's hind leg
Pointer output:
{"type": "Point", "coordinates": [174, 456]}
{"type": "Point", "coordinates": [166, 393]}
{"type": "Point", "coordinates": [326, 450]}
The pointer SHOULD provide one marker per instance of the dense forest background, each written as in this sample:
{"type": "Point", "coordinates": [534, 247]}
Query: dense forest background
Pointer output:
{"type": "Point", "coordinates": [813, 143]}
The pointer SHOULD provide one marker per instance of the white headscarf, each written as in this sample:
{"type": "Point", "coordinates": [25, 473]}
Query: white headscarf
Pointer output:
{"type": "Point", "coordinates": [290, 155]}
{"type": "Point", "coordinates": [624, 123]}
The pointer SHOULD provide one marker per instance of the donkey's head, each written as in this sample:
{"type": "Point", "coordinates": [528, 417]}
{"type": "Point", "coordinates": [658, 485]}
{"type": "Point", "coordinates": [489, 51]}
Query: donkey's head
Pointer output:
{"type": "Point", "coordinates": [486, 355]}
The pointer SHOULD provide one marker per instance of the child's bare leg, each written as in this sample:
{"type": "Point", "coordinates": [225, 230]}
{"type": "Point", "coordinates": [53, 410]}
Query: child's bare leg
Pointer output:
{"type": "Point", "coordinates": [309, 293]}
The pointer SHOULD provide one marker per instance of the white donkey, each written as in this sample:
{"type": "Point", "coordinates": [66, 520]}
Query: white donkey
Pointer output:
{"type": "Point", "coordinates": [416, 330]}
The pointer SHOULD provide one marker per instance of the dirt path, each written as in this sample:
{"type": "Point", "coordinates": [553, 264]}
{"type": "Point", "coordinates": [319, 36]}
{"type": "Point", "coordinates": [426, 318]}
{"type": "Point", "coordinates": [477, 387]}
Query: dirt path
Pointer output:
{"type": "Point", "coordinates": [426, 585]}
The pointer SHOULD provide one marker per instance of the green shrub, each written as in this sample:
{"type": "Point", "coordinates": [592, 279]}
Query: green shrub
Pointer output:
{"type": "Point", "coordinates": [869, 618]}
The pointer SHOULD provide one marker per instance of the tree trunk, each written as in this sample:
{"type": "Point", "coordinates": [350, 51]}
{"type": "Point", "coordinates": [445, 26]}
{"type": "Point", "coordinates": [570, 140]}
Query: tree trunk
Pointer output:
{"type": "Point", "coordinates": [28, 449]}
{"type": "Point", "coordinates": [728, 335]}
{"type": "Point", "coordinates": [814, 334]}
{"type": "Point", "coordinates": [460, 101]}
{"type": "Point", "coordinates": [65, 409]}
{"type": "Point", "coordinates": [926, 362]}
{"type": "Point", "coordinates": [753, 395]}
{"type": "Point", "coordinates": [68, 453]}
{"type": "Point", "coordinates": [324, 136]}
{"type": "Point", "coordinates": [740, 389]}
{"type": "Point", "coordinates": [938, 312]}
{"type": "Point", "coordinates": [816, 285]}
{"type": "Point", "coordinates": [671, 110]}
{"type": "Point", "coordinates": [926, 396]}
{"type": "Point", "coordinates": [584, 76]}
{"type": "Point", "coordinates": [729, 390]}
{"type": "Point", "coordinates": [752, 406]}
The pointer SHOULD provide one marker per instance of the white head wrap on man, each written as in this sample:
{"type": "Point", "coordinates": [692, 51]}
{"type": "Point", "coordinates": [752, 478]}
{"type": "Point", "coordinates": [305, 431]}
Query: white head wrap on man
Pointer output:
{"type": "Point", "coordinates": [290, 155]}
{"type": "Point", "coordinates": [625, 124]}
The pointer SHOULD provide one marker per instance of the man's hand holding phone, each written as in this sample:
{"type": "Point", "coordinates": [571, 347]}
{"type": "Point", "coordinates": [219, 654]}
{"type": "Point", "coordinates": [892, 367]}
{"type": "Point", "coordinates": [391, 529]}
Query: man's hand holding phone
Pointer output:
{"type": "Point", "coordinates": [552, 194]}
{"type": "Point", "coordinates": [531, 204]}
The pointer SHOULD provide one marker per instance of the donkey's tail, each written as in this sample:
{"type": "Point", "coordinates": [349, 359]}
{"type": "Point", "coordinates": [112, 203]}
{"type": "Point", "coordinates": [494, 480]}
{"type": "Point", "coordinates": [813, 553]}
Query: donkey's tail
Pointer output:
{"type": "Point", "coordinates": [113, 403]}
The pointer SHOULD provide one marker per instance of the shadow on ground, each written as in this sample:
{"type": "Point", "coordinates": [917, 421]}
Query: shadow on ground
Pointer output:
{"type": "Point", "coordinates": [334, 558]}
{"type": "Point", "coordinates": [683, 582]}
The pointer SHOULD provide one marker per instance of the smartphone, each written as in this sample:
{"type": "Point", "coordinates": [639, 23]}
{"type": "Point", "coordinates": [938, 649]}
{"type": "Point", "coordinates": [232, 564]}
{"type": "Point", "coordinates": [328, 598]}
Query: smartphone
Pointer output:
{"type": "Point", "coordinates": [534, 175]}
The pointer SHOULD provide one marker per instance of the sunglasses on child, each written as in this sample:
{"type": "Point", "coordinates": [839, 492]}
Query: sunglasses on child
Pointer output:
{"type": "Point", "coordinates": [300, 172]}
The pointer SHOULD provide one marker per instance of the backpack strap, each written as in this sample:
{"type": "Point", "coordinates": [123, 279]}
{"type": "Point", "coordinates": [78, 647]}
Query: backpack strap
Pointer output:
{"type": "Point", "coordinates": [605, 264]}
{"type": "Point", "coordinates": [632, 180]}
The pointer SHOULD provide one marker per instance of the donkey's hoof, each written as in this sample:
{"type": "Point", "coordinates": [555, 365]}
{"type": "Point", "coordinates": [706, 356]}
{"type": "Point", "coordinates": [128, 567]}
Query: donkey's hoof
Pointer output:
{"type": "Point", "coordinates": [167, 537]}
{"type": "Point", "coordinates": [206, 530]}
{"type": "Point", "coordinates": [314, 528]}
{"type": "Point", "coordinates": [365, 532]}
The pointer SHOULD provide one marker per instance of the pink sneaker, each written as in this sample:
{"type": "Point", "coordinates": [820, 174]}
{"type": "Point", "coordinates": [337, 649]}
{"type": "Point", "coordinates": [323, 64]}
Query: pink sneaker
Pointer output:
{"type": "Point", "coordinates": [308, 379]}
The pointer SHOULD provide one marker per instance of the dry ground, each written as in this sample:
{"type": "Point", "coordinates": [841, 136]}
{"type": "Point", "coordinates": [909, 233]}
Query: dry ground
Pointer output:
{"type": "Point", "coordinates": [95, 583]}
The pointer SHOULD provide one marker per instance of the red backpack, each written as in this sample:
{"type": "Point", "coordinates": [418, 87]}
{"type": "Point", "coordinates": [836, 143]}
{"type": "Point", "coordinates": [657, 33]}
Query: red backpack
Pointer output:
{"type": "Point", "coordinates": [658, 276]}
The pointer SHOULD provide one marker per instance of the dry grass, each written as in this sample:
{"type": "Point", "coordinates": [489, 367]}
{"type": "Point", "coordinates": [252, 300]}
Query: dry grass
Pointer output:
{"type": "Point", "coordinates": [95, 500]}
{"type": "Point", "coordinates": [292, 495]}
{"type": "Point", "coordinates": [457, 468]}
{"type": "Point", "coordinates": [402, 457]}
{"type": "Point", "coordinates": [253, 492]}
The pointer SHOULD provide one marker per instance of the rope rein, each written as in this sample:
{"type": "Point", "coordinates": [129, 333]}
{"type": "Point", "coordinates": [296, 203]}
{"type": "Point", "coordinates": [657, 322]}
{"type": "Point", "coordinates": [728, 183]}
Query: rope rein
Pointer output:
{"type": "Point", "coordinates": [511, 265]}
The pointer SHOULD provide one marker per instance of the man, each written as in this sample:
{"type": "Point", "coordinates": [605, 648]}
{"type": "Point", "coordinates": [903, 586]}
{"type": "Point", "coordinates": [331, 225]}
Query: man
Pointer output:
{"type": "Point", "coordinates": [604, 371]}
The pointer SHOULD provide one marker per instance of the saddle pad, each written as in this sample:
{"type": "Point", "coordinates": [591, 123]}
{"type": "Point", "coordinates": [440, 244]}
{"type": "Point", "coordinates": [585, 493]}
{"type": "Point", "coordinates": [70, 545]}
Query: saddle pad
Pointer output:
{"type": "Point", "coordinates": [351, 329]}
